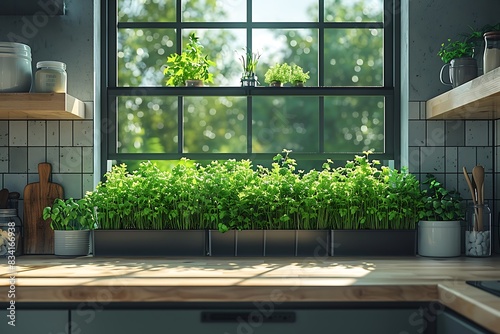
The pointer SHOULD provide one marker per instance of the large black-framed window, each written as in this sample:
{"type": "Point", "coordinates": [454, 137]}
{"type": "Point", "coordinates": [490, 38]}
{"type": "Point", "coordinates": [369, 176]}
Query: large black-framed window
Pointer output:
{"type": "Point", "coordinates": [350, 104]}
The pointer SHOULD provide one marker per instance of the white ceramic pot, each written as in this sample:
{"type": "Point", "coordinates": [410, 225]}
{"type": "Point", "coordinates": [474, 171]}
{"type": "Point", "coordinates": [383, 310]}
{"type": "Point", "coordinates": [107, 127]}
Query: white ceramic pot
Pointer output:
{"type": "Point", "coordinates": [15, 68]}
{"type": "Point", "coordinates": [71, 243]}
{"type": "Point", "coordinates": [439, 238]}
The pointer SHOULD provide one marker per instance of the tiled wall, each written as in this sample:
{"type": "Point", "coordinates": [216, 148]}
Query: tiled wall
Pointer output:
{"type": "Point", "coordinates": [66, 145]}
{"type": "Point", "coordinates": [443, 148]}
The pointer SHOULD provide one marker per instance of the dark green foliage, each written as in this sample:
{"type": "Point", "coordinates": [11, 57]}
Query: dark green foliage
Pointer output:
{"type": "Point", "coordinates": [70, 214]}
{"type": "Point", "coordinates": [441, 204]}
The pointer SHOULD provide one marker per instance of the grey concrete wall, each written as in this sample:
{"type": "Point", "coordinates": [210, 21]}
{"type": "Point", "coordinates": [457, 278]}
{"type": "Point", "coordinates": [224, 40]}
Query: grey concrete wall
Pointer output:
{"type": "Point", "coordinates": [432, 22]}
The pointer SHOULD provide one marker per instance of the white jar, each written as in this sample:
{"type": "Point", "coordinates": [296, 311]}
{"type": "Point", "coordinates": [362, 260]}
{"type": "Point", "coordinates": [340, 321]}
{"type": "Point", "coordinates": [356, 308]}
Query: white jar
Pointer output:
{"type": "Point", "coordinates": [50, 77]}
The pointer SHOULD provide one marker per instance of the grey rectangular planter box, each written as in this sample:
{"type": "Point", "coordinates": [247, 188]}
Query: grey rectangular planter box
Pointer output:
{"type": "Point", "coordinates": [149, 242]}
{"type": "Point", "coordinates": [279, 243]}
{"type": "Point", "coordinates": [374, 242]}
{"type": "Point", "coordinates": [221, 244]}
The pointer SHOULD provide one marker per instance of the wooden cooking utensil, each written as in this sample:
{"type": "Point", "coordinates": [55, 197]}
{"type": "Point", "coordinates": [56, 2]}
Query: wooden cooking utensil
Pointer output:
{"type": "Point", "coordinates": [4, 197]}
{"type": "Point", "coordinates": [38, 236]}
{"type": "Point", "coordinates": [478, 176]}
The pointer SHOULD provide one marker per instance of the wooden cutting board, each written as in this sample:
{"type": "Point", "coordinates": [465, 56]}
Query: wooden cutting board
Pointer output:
{"type": "Point", "coordinates": [38, 236]}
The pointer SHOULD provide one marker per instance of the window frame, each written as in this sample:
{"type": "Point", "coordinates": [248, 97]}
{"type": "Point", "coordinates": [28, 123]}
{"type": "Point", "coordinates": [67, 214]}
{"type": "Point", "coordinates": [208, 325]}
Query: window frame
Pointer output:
{"type": "Point", "coordinates": [110, 91]}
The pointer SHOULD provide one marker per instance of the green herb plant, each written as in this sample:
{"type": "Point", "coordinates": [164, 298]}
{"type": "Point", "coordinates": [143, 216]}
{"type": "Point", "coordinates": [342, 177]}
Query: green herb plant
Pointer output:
{"type": "Point", "coordinates": [456, 49]}
{"type": "Point", "coordinates": [298, 75]}
{"type": "Point", "coordinates": [70, 214]}
{"type": "Point", "coordinates": [278, 73]}
{"type": "Point", "coordinates": [190, 64]}
{"type": "Point", "coordinates": [440, 204]}
{"type": "Point", "coordinates": [249, 61]}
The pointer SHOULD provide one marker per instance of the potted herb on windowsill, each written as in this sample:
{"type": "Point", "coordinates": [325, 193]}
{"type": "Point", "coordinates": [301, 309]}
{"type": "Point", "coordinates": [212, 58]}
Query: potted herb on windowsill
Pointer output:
{"type": "Point", "coordinates": [278, 75]}
{"type": "Point", "coordinates": [72, 220]}
{"type": "Point", "coordinates": [190, 67]}
{"type": "Point", "coordinates": [439, 230]}
{"type": "Point", "coordinates": [249, 63]}
{"type": "Point", "coordinates": [298, 77]}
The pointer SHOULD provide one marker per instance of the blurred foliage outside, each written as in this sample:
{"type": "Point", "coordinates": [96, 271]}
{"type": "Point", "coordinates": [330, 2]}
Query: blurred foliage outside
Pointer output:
{"type": "Point", "coordinates": [352, 57]}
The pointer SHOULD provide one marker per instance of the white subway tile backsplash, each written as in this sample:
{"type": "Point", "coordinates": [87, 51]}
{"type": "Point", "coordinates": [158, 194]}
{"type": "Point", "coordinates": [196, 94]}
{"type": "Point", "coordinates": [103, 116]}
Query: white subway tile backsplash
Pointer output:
{"type": "Point", "coordinates": [18, 133]}
{"type": "Point", "coordinates": [36, 133]}
{"type": "Point", "coordinates": [88, 160]}
{"type": "Point", "coordinates": [18, 159]}
{"type": "Point", "coordinates": [15, 182]}
{"type": "Point", "coordinates": [70, 160]}
{"type": "Point", "coordinates": [53, 133]}
{"type": "Point", "coordinates": [53, 156]}
{"type": "Point", "coordinates": [83, 133]}
{"type": "Point", "coordinates": [4, 133]}
{"type": "Point", "coordinates": [72, 185]}
{"type": "Point", "coordinates": [36, 155]}
{"type": "Point", "coordinates": [66, 133]}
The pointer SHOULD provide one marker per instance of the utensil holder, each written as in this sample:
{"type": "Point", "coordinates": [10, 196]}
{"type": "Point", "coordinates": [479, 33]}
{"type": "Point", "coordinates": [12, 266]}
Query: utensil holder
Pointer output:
{"type": "Point", "coordinates": [478, 231]}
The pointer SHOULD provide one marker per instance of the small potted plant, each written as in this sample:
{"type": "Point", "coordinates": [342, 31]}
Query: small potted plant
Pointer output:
{"type": "Point", "coordinates": [278, 75]}
{"type": "Point", "coordinates": [190, 67]}
{"type": "Point", "coordinates": [458, 56]}
{"type": "Point", "coordinates": [71, 221]}
{"type": "Point", "coordinates": [249, 62]}
{"type": "Point", "coordinates": [439, 230]}
{"type": "Point", "coordinates": [298, 77]}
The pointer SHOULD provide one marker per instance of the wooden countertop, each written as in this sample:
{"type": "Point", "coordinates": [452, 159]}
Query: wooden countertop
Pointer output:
{"type": "Point", "coordinates": [330, 279]}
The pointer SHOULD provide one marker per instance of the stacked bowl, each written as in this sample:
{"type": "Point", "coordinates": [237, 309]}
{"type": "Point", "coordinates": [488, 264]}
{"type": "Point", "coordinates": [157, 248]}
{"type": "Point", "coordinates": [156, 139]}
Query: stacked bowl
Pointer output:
{"type": "Point", "coordinates": [15, 68]}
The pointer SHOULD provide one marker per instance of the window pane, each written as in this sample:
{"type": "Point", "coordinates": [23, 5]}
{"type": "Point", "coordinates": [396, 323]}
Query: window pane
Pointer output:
{"type": "Point", "coordinates": [222, 47]}
{"type": "Point", "coordinates": [214, 11]}
{"type": "Point", "coordinates": [354, 57]}
{"type": "Point", "coordinates": [354, 10]}
{"type": "Point", "coordinates": [285, 123]}
{"type": "Point", "coordinates": [147, 124]}
{"type": "Point", "coordinates": [146, 11]}
{"type": "Point", "coordinates": [215, 124]}
{"type": "Point", "coordinates": [141, 55]}
{"type": "Point", "coordinates": [285, 11]}
{"type": "Point", "coordinates": [354, 124]}
{"type": "Point", "coordinates": [299, 46]}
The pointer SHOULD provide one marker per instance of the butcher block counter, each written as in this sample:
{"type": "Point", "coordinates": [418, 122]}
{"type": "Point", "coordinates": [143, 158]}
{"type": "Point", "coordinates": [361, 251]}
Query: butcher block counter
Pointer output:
{"type": "Point", "coordinates": [47, 279]}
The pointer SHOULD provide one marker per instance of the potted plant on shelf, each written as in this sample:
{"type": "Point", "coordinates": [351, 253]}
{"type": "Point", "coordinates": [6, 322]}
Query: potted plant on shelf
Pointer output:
{"type": "Point", "coordinates": [72, 220]}
{"type": "Point", "coordinates": [439, 230]}
{"type": "Point", "coordinates": [249, 62]}
{"type": "Point", "coordinates": [298, 77]}
{"type": "Point", "coordinates": [278, 75]}
{"type": "Point", "coordinates": [190, 67]}
{"type": "Point", "coordinates": [458, 56]}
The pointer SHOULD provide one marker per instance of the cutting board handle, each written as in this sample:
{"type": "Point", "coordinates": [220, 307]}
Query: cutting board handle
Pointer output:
{"type": "Point", "coordinates": [44, 170]}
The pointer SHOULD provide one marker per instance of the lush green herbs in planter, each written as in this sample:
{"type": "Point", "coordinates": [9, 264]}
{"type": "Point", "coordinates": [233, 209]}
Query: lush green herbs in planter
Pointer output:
{"type": "Point", "coordinates": [232, 194]}
{"type": "Point", "coordinates": [70, 214]}
{"type": "Point", "coordinates": [441, 204]}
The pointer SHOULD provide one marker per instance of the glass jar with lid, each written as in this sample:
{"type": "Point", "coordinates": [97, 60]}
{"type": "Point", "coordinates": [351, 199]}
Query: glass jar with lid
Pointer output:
{"type": "Point", "coordinates": [491, 59]}
{"type": "Point", "coordinates": [10, 233]}
{"type": "Point", "coordinates": [51, 77]}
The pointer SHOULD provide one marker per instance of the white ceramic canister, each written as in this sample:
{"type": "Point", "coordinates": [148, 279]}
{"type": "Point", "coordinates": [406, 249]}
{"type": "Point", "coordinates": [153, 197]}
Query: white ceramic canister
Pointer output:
{"type": "Point", "coordinates": [51, 77]}
{"type": "Point", "coordinates": [15, 67]}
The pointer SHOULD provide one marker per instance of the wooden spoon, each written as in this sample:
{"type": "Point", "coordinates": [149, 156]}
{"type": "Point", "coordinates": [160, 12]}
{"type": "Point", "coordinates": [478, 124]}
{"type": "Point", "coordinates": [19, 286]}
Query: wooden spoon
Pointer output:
{"type": "Point", "coordinates": [4, 197]}
{"type": "Point", "coordinates": [471, 187]}
{"type": "Point", "coordinates": [478, 176]}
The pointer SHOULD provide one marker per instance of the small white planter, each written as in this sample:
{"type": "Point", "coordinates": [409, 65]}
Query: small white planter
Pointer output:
{"type": "Point", "coordinates": [439, 238]}
{"type": "Point", "coordinates": [71, 243]}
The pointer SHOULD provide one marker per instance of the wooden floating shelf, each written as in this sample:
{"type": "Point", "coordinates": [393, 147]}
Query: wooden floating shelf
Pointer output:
{"type": "Point", "coordinates": [476, 99]}
{"type": "Point", "coordinates": [41, 106]}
